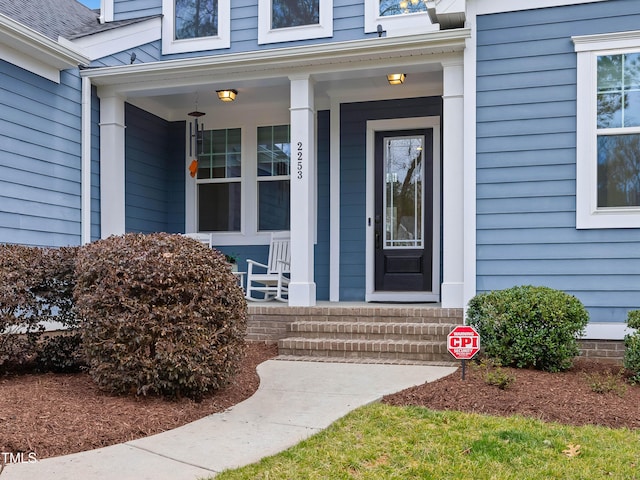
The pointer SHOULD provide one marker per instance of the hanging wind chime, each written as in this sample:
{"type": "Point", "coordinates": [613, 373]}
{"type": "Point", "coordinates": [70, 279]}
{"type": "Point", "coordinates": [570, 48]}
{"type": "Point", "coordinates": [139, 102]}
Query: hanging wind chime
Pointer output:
{"type": "Point", "coordinates": [196, 134]}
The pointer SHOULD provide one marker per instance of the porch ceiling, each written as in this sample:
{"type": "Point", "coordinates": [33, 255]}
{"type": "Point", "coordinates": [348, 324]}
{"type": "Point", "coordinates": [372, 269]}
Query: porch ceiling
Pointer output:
{"type": "Point", "coordinates": [348, 70]}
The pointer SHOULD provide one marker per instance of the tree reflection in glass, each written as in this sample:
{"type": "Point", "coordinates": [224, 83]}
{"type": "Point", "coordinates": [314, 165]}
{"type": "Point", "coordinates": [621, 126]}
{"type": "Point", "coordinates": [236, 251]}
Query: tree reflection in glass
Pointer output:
{"type": "Point", "coordinates": [196, 18]}
{"type": "Point", "coordinates": [618, 119]}
{"type": "Point", "coordinates": [294, 13]}
{"type": "Point", "coordinates": [400, 7]}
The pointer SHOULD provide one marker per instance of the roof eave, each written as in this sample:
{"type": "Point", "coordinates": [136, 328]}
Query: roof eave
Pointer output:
{"type": "Point", "coordinates": [281, 59]}
{"type": "Point", "coordinates": [36, 45]}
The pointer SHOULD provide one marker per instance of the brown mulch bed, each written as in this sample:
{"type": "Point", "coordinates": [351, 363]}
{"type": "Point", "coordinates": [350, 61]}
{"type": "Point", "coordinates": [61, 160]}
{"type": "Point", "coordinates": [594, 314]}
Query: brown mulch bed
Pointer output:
{"type": "Point", "coordinates": [566, 397]}
{"type": "Point", "coordinates": [55, 414]}
{"type": "Point", "coordinates": [58, 414]}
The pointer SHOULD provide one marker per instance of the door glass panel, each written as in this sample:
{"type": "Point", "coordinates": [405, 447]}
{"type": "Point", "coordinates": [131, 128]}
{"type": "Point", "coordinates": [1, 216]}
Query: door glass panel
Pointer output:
{"type": "Point", "coordinates": [403, 192]}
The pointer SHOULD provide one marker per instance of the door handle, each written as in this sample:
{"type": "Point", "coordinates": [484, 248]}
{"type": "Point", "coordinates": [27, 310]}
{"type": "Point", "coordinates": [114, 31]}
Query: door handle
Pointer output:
{"type": "Point", "coordinates": [377, 230]}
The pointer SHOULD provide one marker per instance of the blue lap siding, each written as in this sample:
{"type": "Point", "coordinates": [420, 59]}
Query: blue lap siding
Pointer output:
{"type": "Point", "coordinates": [526, 161]}
{"type": "Point", "coordinates": [39, 158]}
{"type": "Point", "coordinates": [348, 24]}
{"type": "Point", "coordinates": [154, 178]}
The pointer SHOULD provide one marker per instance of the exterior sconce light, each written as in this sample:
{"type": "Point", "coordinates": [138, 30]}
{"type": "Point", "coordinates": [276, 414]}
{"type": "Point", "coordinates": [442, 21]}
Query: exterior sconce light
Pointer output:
{"type": "Point", "coordinates": [396, 78]}
{"type": "Point", "coordinates": [227, 95]}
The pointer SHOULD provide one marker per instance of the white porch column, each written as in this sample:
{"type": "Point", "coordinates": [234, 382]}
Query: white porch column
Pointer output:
{"type": "Point", "coordinates": [112, 205]}
{"type": "Point", "coordinates": [302, 288]}
{"type": "Point", "coordinates": [453, 185]}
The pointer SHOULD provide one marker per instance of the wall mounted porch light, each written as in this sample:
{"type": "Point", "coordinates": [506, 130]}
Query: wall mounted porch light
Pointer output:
{"type": "Point", "coordinates": [227, 95]}
{"type": "Point", "coordinates": [396, 78]}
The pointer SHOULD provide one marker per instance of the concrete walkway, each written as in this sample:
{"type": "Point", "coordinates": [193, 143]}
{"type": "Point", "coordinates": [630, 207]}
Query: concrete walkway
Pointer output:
{"type": "Point", "coordinates": [295, 400]}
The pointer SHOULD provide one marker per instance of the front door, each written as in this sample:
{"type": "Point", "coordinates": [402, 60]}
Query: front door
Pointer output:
{"type": "Point", "coordinates": [403, 218]}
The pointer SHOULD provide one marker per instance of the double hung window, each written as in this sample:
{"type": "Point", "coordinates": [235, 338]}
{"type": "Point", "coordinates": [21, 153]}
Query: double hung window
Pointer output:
{"type": "Point", "coordinates": [608, 131]}
{"type": "Point", "coordinates": [219, 187]}
{"type": "Point", "coordinates": [258, 176]}
{"type": "Point", "coordinates": [274, 162]}
{"type": "Point", "coordinates": [290, 20]}
{"type": "Point", "coordinates": [195, 25]}
{"type": "Point", "coordinates": [618, 130]}
{"type": "Point", "coordinates": [397, 17]}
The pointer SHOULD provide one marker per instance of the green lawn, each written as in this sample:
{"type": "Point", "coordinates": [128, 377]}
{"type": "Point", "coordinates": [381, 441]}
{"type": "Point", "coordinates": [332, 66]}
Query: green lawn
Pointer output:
{"type": "Point", "coordinates": [384, 442]}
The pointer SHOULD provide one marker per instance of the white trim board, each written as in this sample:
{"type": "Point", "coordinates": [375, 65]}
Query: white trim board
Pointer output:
{"type": "Point", "coordinates": [606, 331]}
{"type": "Point", "coordinates": [110, 42]}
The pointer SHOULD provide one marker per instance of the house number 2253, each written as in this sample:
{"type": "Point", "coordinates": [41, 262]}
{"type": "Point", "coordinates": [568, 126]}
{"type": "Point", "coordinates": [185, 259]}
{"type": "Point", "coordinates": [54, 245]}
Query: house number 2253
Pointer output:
{"type": "Point", "coordinates": [299, 151]}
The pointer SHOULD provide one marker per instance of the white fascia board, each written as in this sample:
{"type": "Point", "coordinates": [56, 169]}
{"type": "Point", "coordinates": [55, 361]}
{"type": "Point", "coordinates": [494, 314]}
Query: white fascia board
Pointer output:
{"type": "Point", "coordinates": [486, 7]}
{"type": "Point", "coordinates": [276, 61]}
{"type": "Point", "coordinates": [35, 52]}
{"type": "Point", "coordinates": [110, 42]}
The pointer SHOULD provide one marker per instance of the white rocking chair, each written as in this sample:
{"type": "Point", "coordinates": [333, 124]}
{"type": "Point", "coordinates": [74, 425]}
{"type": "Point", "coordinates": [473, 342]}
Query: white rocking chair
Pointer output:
{"type": "Point", "coordinates": [274, 283]}
{"type": "Point", "coordinates": [204, 238]}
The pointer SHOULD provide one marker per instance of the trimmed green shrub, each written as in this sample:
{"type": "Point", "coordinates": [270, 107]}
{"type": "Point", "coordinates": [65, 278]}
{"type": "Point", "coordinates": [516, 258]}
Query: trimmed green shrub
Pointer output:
{"type": "Point", "coordinates": [36, 285]}
{"type": "Point", "coordinates": [527, 326]}
{"type": "Point", "coordinates": [162, 314]}
{"type": "Point", "coordinates": [632, 346]}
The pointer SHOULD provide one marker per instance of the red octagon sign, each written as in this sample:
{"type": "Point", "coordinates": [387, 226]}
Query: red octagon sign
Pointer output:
{"type": "Point", "coordinates": [463, 342]}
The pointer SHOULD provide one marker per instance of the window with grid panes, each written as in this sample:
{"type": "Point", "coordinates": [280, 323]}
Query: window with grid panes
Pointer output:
{"type": "Point", "coordinates": [219, 187]}
{"type": "Point", "coordinates": [274, 159]}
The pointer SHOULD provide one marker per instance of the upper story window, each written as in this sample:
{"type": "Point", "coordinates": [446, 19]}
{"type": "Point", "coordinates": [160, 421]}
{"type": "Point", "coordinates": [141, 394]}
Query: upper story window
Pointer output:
{"type": "Point", "coordinates": [608, 131]}
{"type": "Point", "coordinates": [294, 13]}
{"type": "Point", "coordinates": [290, 20]}
{"type": "Point", "coordinates": [195, 25]}
{"type": "Point", "coordinates": [397, 17]}
{"type": "Point", "coordinates": [401, 7]}
{"type": "Point", "coordinates": [196, 19]}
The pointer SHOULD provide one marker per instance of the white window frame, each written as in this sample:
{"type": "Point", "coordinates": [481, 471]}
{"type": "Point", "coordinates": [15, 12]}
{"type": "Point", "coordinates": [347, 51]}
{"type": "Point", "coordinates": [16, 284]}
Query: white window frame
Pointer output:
{"type": "Point", "coordinates": [222, 180]}
{"type": "Point", "coordinates": [248, 120]}
{"type": "Point", "coordinates": [171, 45]}
{"type": "Point", "coordinates": [588, 49]}
{"type": "Point", "coordinates": [267, 35]}
{"type": "Point", "coordinates": [270, 178]}
{"type": "Point", "coordinates": [396, 25]}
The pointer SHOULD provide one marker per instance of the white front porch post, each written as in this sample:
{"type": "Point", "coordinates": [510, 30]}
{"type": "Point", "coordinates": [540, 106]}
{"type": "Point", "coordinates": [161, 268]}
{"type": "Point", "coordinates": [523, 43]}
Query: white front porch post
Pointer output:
{"type": "Point", "coordinates": [112, 200]}
{"type": "Point", "coordinates": [453, 185]}
{"type": "Point", "coordinates": [302, 288]}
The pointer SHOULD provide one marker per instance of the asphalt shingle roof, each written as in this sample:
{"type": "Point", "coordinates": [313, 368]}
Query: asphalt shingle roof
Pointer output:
{"type": "Point", "coordinates": [59, 18]}
{"type": "Point", "coordinates": [52, 18]}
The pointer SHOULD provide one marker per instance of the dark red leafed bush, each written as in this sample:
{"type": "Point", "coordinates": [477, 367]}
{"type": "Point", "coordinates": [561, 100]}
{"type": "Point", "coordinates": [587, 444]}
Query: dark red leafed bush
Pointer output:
{"type": "Point", "coordinates": [36, 286]}
{"type": "Point", "coordinates": [161, 314]}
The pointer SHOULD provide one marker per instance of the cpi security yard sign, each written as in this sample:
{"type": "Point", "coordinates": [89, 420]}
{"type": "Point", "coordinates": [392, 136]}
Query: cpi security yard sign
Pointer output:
{"type": "Point", "coordinates": [463, 343]}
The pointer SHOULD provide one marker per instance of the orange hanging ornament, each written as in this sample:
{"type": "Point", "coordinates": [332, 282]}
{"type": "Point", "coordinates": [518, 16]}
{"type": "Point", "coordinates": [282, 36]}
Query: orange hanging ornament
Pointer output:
{"type": "Point", "coordinates": [193, 168]}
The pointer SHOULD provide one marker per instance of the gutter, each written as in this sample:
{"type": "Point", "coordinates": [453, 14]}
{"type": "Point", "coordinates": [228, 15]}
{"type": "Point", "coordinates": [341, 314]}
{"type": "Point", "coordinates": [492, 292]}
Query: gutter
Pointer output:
{"type": "Point", "coordinates": [36, 45]}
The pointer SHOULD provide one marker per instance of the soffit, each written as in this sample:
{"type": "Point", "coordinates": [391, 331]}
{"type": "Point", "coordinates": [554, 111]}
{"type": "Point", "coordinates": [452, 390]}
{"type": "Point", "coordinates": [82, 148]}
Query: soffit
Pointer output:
{"type": "Point", "coordinates": [323, 61]}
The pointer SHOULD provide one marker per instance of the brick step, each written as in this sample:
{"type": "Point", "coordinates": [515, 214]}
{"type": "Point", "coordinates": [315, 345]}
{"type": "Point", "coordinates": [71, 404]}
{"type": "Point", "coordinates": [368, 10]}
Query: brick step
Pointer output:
{"type": "Point", "coordinates": [371, 330]}
{"type": "Point", "coordinates": [419, 317]}
{"type": "Point", "coordinates": [418, 350]}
